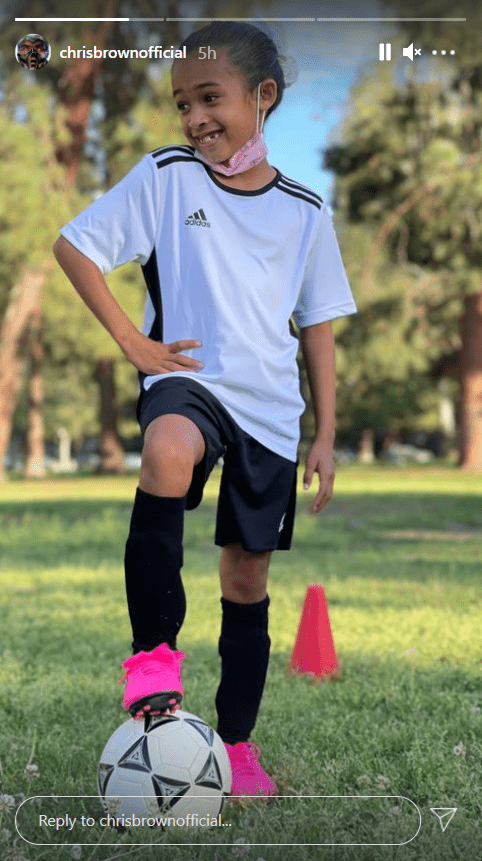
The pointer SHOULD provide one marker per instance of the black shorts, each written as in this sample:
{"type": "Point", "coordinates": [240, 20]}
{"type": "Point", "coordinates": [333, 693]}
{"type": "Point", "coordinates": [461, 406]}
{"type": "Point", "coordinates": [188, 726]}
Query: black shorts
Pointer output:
{"type": "Point", "coordinates": [257, 496]}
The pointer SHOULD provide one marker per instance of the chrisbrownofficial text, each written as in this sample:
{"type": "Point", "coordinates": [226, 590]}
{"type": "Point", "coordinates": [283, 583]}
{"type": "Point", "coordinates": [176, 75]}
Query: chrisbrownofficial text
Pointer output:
{"type": "Point", "coordinates": [152, 53]}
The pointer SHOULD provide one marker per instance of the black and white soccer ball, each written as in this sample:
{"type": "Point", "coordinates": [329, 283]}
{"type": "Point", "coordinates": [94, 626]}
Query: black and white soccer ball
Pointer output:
{"type": "Point", "coordinates": [174, 763]}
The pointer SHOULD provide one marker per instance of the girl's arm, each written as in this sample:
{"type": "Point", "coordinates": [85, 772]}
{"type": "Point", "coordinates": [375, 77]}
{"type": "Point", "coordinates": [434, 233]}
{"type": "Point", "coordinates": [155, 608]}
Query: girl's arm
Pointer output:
{"type": "Point", "coordinates": [145, 354]}
{"type": "Point", "coordinates": [318, 347]}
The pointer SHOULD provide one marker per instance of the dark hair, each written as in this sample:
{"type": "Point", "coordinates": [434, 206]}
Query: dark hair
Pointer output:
{"type": "Point", "coordinates": [248, 49]}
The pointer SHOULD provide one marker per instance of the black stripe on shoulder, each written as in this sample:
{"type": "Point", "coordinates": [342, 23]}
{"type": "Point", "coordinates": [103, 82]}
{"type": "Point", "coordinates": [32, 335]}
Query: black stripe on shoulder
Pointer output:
{"type": "Point", "coordinates": [174, 158]}
{"type": "Point", "coordinates": [301, 196]}
{"type": "Point", "coordinates": [297, 185]}
{"type": "Point", "coordinates": [174, 148]}
{"type": "Point", "coordinates": [297, 190]}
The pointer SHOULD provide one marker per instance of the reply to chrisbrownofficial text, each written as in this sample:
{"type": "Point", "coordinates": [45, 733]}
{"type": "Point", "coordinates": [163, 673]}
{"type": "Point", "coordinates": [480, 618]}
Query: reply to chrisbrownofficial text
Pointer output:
{"type": "Point", "coordinates": [192, 820]}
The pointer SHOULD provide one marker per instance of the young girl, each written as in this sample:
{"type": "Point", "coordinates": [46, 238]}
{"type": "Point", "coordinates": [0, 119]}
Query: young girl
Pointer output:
{"type": "Point", "coordinates": [230, 249]}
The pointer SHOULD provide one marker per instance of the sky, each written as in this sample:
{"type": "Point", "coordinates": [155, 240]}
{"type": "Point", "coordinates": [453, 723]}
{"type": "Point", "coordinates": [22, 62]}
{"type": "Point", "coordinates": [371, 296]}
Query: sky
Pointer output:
{"type": "Point", "coordinates": [330, 58]}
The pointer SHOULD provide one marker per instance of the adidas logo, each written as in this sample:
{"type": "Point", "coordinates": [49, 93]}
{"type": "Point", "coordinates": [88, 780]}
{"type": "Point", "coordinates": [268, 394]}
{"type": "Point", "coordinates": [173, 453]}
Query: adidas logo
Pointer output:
{"type": "Point", "coordinates": [198, 218]}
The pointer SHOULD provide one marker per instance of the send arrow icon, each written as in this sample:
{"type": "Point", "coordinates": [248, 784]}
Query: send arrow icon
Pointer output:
{"type": "Point", "coordinates": [445, 815]}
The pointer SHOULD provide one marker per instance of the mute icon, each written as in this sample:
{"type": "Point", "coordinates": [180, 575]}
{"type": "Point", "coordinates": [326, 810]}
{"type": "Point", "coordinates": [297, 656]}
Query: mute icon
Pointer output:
{"type": "Point", "coordinates": [408, 52]}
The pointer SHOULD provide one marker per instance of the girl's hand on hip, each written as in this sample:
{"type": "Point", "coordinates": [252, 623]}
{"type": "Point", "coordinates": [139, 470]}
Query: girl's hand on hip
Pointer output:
{"type": "Point", "coordinates": [152, 357]}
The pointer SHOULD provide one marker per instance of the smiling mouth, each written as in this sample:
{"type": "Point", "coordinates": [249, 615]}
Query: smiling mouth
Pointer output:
{"type": "Point", "coordinates": [209, 138]}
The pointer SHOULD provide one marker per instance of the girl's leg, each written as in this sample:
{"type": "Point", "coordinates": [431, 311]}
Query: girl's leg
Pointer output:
{"type": "Point", "coordinates": [244, 643]}
{"type": "Point", "coordinates": [153, 560]}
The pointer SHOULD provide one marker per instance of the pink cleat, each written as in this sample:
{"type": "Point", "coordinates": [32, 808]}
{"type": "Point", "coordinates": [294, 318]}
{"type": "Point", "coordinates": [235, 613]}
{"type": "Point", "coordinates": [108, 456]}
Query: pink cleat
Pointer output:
{"type": "Point", "coordinates": [248, 776]}
{"type": "Point", "coordinates": [153, 681]}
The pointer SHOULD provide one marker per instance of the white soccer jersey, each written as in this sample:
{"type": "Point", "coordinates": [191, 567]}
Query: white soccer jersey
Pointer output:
{"type": "Point", "coordinates": [229, 268]}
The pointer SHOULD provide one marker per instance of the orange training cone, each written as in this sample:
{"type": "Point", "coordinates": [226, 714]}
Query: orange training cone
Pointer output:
{"type": "Point", "coordinates": [314, 650]}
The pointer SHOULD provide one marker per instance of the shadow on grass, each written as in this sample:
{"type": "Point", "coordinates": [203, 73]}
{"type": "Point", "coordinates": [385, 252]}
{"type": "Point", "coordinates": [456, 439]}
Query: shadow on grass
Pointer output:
{"type": "Point", "coordinates": [79, 532]}
{"type": "Point", "coordinates": [83, 532]}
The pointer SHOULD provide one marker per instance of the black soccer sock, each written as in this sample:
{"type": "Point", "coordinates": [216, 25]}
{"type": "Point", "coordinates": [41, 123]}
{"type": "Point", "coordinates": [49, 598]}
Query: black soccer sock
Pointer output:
{"type": "Point", "coordinates": [153, 562]}
{"type": "Point", "coordinates": [244, 649]}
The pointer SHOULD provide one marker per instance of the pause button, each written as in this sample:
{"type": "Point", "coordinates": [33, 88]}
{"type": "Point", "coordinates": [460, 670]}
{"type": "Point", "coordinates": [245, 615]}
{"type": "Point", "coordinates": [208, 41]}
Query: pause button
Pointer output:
{"type": "Point", "coordinates": [384, 51]}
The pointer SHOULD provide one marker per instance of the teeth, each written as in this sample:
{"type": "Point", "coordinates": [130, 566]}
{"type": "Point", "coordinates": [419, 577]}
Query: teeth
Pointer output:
{"type": "Point", "coordinates": [210, 137]}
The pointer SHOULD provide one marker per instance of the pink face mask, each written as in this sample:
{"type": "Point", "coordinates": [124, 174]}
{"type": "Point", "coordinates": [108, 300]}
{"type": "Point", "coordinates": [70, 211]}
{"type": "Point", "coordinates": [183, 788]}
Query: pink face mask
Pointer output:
{"type": "Point", "coordinates": [251, 154]}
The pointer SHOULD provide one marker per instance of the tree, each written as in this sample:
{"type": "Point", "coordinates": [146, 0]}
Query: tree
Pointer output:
{"type": "Point", "coordinates": [26, 225]}
{"type": "Point", "coordinates": [409, 175]}
{"type": "Point", "coordinates": [465, 86]}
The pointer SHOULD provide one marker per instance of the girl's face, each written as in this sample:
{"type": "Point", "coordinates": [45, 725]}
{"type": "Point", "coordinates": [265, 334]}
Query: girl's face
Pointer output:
{"type": "Point", "coordinates": [218, 112]}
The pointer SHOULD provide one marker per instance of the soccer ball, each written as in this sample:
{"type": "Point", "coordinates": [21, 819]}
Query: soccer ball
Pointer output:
{"type": "Point", "coordinates": [174, 763]}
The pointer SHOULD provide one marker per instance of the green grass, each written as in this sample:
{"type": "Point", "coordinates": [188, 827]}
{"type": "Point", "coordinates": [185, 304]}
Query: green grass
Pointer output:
{"type": "Point", "coordinates": [399, 554]}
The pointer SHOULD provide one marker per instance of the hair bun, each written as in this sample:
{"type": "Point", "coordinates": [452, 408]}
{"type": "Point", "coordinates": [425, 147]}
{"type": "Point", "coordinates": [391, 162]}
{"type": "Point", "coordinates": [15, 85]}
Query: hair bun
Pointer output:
{"type": "Point", "coordinates": [289, 66]}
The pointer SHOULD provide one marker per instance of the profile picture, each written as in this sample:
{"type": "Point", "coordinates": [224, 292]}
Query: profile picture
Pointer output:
{"type": "Point", "coordinates": [33, 52]}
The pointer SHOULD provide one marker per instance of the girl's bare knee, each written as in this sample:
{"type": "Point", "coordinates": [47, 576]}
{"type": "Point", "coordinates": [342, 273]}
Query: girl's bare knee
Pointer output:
{"type": "Point", "coordinates": [166, 470]}
{"type": "Point", "coordinates": [173, 445]}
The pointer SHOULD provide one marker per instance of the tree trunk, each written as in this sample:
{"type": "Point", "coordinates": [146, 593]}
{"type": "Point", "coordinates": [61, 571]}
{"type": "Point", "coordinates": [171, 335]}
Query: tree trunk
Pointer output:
{"type": "Point", "coordinates": [366, 447]}
{"type": "Point", "coordinates": [34, 468]}
{"type": "Point", "coordinates": [24, 299]}
{"type": "Point", "coordinates": [77, 90]}
{"type": "Point", "coordinates": [471, 385]}
{"type": "Point", "coordinates": [112, 455]}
